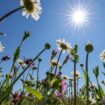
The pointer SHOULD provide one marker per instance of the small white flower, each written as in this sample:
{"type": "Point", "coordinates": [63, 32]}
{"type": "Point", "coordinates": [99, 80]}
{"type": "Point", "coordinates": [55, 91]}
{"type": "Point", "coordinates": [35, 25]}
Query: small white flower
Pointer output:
{"type": "Point", "coordinates": [1, 47]}
{"type": "Point", "coordinates": [54, 63]}
{"type": "Point", "coordinates": [31, 7]}
{"type": "Point", "coordinates": [92, 86]}
{"type": "Point", "coordinates": [66, 77]}
{"type": "Point", "coordinates": [78, 75]}
{"type": "Point", "coordinates": [63, 45]}
{"type": "Point", "coordinates": [21, 62]}
{"type": "Point", "coordinates": [102, 56]}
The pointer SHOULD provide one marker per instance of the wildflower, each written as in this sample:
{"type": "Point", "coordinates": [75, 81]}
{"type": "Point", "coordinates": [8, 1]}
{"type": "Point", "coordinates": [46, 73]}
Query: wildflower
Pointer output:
{"type": "Point", "coordinates": [21, 62]}
{"type": "Point", "coordinates": [57, 93]}
{"type": "Point", "coordinates": [66, 59]}
{"type": "Point", "coordinates": [16, 97]}
{"type": "Point", "coordinates": [64, 88]}
{"type": "Point", "coordinates": [33, 67]}
{"type": "Point", "coordinates": [78, 75]}
{"type": "Point", "coordinates": [66, 77]}
{"type": "Point", "coordinates": [28, 61]}
{"type": "Point", "coordinates": [10, 75]}
{"type": "Point", "coordinates": [31, 7]}
{"type": "Point", "coordinates": [54, 63]}
{"type": "Point", "coordinates": [63, 45]}
{"type": "Point", "coordinates": [89, 47]}
{"type": "Point", "coordinates": [5, 58]}
{"type": "Point", "coordinates": [1, 47]}
{"type": "Point", "coordinates": [102, 56]}
{"type": "Point", "coordinates": [92, 86]}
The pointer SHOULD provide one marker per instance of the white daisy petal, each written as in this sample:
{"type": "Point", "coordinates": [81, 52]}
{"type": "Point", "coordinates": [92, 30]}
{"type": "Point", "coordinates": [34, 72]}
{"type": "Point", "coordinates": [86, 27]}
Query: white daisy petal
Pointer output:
{"type": "Point", "coordinates": [102, 56]}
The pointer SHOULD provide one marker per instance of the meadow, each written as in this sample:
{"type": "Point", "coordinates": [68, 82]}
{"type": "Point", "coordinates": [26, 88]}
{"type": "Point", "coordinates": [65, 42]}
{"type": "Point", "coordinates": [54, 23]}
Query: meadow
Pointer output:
{"type": "Point", "coordinates": [55, 88]}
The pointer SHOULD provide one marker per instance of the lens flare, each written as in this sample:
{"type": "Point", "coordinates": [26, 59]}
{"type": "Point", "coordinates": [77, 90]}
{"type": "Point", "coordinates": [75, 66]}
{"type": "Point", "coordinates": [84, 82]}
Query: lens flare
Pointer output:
{"type": "Point", "coordinates": [79, 16]}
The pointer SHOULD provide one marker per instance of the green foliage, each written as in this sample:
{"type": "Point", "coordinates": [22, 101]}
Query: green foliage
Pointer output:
{"type": "Point", "coordinates": [34, 92]}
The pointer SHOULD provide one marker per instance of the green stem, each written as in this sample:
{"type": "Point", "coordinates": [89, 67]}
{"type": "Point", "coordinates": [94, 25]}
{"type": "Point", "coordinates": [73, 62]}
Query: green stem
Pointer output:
{"type": "Point", "coordinates": [75, 97]}
{"type": "Point", "coordinates": [58, 61]}
{"type": "Point", "coordinates": [87, 80]}
{"type": "Point", "coordinates": [38, 71]}
{"type": "Point", "coordinates": [38, 74]}
{"type": "Point", "coordinates": [10, 13]}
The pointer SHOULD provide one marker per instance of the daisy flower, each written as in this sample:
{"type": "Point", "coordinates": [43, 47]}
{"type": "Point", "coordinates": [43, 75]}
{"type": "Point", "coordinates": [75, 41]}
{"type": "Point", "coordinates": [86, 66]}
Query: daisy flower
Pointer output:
{"type": "Point", "coordinates": [102, 56]}
{"type": "Point", "coordinates": [54, 63]}
{"type": "Point", "coordinates": [21, 62]}
{"type": "Point", "coordinates": [31, 7]}
{"type": "Point", "coordinates": [78, 75]}
{"type": "Point", "coordinates": [63, 45]}
{"type": "Point", "coordinates": [1, 47]}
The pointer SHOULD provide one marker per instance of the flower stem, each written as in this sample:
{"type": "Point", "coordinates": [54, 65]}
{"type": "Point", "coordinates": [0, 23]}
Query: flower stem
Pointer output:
{"type": "Point", "coordinates": [87, 80]}
{"type": "Point", "coordinates": [58, 61]}
{"type": "Point", "coordinates": [38, 74]}
{"type": "Point", "coordinates": [10, 13]}
{"type": "Point", "coordinates": [75, 97]}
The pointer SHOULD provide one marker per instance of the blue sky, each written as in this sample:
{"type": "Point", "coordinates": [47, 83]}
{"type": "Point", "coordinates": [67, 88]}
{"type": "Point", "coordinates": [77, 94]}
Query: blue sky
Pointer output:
{"type": "Point", "coordinates": [52, 26]}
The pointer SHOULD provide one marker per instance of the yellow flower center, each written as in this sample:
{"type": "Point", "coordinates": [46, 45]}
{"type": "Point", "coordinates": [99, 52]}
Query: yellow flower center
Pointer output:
{"type": "Point", "coordinates": [53, 63]}
{"type": "Point", "coordinates": [63, 46]}
{"type": "Point", "coordinates": [29, 5]}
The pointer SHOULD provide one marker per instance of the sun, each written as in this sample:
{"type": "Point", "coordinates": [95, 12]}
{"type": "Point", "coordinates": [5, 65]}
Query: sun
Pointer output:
{"type": "Point", "coordinates": [79, 16]}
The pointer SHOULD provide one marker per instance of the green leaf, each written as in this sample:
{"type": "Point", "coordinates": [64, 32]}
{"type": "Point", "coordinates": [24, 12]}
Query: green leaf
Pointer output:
{"type": "Point", "coordinates": [16, 54]}
{"type": "Point", "coordinates": [96, 71]}
{"type": "Point", "coordinates": [36, 93]}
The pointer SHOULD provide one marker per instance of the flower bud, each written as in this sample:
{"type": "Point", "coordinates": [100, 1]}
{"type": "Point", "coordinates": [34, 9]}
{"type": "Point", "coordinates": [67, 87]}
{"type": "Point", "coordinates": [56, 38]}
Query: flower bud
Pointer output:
{"type": "Point", "coordinates": [89, 47]}
{"type": "Point", "coordinates": [47, 46]}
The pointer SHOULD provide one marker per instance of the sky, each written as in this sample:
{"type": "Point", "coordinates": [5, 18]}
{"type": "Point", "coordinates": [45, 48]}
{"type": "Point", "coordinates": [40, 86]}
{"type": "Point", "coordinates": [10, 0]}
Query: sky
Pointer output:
{"type": "Point", "coordinates": [53, 25]}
